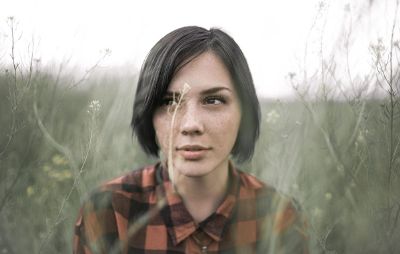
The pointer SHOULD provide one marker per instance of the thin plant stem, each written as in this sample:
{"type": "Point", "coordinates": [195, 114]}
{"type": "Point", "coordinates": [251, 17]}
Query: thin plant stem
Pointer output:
{"type": "Point", "coordinates": [177, 105]}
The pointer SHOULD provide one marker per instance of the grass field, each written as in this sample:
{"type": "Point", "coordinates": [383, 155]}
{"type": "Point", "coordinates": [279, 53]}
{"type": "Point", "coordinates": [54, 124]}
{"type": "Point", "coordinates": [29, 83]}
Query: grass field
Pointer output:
{"type": "Point", "coordinates": [336, 151]}
{"type": "Point", "coordinates": [58, 142]}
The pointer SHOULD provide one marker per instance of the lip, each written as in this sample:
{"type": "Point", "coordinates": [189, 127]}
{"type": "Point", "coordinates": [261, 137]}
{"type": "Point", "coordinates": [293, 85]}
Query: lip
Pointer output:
{"type": "Point", "coordinates": [193, 152]}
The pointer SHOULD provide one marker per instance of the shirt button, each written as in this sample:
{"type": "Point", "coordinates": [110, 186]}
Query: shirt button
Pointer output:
{"type": "Point", "coordinates": [204, 249]}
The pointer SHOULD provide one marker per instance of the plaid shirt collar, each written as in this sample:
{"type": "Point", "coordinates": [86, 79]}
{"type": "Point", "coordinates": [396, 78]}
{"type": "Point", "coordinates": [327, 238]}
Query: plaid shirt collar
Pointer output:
{"type": "Point", "coordinates": [180, 224]}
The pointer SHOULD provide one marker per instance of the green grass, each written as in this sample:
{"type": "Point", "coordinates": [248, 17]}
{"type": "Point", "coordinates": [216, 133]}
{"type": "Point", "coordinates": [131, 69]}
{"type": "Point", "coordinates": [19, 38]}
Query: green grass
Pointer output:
{"type": "Point", "coordinates": [340, 176]}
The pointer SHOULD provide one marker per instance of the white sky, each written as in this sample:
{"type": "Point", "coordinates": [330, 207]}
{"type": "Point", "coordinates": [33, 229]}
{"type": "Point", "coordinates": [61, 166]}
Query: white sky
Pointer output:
{"type": "Point", "coordinates": [272, 34]}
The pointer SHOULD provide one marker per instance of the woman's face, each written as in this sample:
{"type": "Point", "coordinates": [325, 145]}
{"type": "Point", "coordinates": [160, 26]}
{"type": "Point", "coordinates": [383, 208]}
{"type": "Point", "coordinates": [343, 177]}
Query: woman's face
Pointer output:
{"type": "Point", "coordinates": [207, 121]}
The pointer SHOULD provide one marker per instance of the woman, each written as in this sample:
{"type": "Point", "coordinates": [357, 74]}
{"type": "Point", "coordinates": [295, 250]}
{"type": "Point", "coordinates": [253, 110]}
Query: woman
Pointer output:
{"type": "Point", "coordinates": [196, 102]}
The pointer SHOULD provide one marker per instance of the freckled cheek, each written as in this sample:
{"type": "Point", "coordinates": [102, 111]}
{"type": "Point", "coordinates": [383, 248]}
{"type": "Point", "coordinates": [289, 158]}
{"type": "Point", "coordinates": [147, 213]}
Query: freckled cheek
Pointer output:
{"type": "Point", "coordinates": [225, 128]}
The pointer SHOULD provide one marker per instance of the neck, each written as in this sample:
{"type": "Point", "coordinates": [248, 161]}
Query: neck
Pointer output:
{"type": "Point", "coordinates": [202, 195]}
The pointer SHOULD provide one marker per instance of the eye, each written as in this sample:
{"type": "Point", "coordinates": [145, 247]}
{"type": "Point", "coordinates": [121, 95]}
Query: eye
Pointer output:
{"type": "Point", "coordinates": [214, 100]}
{"type": "Point", "coordinates": [169, 100]}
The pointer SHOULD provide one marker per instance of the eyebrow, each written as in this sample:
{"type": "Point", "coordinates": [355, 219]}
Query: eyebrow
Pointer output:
{"type": "Point", "coordinates": [205, 92]}
{"type": "Point", "coordinates": [215, 90]}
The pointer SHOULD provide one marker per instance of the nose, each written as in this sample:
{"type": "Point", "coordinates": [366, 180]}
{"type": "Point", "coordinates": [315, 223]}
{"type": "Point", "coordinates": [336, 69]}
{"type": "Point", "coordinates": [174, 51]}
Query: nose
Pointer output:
{"type": "Point", "coordinates": [190, 120]}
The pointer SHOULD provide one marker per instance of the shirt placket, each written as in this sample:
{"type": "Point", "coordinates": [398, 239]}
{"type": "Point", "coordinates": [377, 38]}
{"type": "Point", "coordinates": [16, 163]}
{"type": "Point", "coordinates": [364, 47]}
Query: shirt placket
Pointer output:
{"type": "Point", "coordinates": [202, 240]}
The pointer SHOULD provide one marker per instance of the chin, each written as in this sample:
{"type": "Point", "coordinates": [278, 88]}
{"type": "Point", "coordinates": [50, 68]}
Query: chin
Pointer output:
{"type": "Point", "coordinates": [193, 168]}
{"type": "Point", "coordinates": [191, 174]}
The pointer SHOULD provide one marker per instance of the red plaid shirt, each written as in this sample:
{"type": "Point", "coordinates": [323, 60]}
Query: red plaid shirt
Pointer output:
{"type": "Point", "coordinates": [140, 213]}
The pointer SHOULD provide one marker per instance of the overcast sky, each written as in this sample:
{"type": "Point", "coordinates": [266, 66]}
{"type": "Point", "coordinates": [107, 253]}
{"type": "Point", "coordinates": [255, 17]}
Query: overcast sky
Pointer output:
{"type": "Point", "coordinates": [272, 34]}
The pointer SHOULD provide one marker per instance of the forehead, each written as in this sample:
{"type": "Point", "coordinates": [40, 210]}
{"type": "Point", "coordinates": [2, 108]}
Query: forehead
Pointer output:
{"type": "Point", "coordinates": [203, 72]}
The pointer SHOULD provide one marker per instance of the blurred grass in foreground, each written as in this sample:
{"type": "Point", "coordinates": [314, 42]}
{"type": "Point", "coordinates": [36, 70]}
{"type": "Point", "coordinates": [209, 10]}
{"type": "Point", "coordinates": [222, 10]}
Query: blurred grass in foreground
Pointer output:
{"type": "Point", "coordinates": [345, 195]}
{"type": "Point", "coordinates": [336, 151]}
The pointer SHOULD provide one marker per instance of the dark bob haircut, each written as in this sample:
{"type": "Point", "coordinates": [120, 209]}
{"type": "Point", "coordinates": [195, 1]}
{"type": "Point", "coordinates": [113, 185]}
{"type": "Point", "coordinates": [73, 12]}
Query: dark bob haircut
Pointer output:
{"type": "Point", "coordinates": [172, 52]}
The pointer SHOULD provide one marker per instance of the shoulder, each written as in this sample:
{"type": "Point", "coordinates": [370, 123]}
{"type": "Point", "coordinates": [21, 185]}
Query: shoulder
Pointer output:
{"type": "Point", "coordinates": [116, 194]}
{"type": "Point", "coordinates": [105, 213]}
{"type": "Point", "coordinates": [277, 214]}
{"type": "Point", "coordinates": [141, 179]}
{"type": "Point", "coordinates": [249, 183]}
{"type": "Point", "coordinates": [267, 198]}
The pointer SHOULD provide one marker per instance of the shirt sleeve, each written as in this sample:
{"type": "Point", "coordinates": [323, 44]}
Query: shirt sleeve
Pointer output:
{"type": "Point", "coordinates": [79, 239]}
{"type": "Point", "coordinates": [96, 228]}
{"type": "Point", "coordinates": [291, 228]}
{"type": "Point", "coordinates": [284, 230]}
